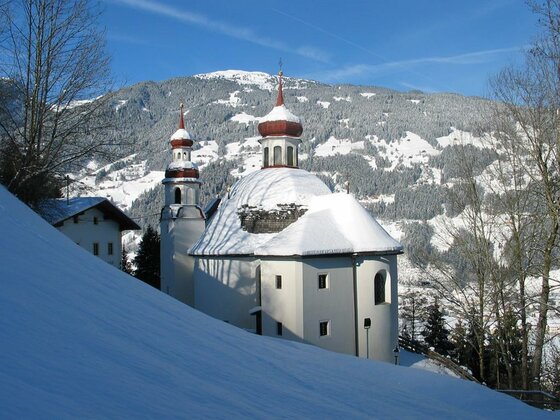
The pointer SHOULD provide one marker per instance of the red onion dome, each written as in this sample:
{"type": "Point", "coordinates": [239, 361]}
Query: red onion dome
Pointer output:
{"type": "Point", "coordinates": [280, 121]}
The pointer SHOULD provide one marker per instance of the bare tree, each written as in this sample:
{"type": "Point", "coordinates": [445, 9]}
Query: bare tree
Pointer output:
{"type": "Point", "coordinates": [53, 64]}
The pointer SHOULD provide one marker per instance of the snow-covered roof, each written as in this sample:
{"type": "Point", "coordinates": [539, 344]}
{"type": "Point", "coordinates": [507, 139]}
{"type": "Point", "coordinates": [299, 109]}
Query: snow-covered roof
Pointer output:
{"type": "Point", "coordinates": [264, 189]}
{"type": "Point", "coordinates": [280, 113]}
{"type": "Point", "coordinates": [181, 134]}
{"type": "Point", "coordinates": [57, 210]}
{"type": "Point", "coordinates": [333, 223]}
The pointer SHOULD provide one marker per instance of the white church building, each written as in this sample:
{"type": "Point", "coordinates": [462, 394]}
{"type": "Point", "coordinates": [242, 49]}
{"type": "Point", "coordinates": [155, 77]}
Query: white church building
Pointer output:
{"type": "Point", "coordinates": [282, 255]}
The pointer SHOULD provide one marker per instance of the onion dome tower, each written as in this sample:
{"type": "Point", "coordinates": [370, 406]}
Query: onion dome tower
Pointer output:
{"type": "Point", "coordinates": [280, 131]}
{"type": "Point", "coordinates": [182, 220]}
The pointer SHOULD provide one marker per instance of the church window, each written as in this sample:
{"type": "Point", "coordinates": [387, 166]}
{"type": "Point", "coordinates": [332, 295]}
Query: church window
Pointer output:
{"type": "Point", "coordinates": [279, 328]}
{"type": "Point", "coordinates": [76, 219]}
{"type": "Point", "coordinates": [177, 195]}
{"type": "Point", "coordinates": [95, 221]}
{"type": "Point", "coordinates": [95, 248]}
{"type": "Point", "coordinates": [290, 156]}
{"type": "Point", "coordinates": [379, 289]}
{"type": "Point", "coordinates": [278, 282]}
{"type": "Point", "coordinates": [110, 248]}
{"type": "Point", "coordinates": [323, 281]}
{"type": "Point", "coordinates": [277, 155]}
{"type": "Point", "coordinates": [265, 158]}
{"type": "Point", "coordinates": [323, 328]}
{"type": "Point", "coordinates": [185, 155]}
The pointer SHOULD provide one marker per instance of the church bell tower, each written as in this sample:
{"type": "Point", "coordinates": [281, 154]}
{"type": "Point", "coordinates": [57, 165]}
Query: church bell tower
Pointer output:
{"type": "Point", "coordinates": [182, 220]}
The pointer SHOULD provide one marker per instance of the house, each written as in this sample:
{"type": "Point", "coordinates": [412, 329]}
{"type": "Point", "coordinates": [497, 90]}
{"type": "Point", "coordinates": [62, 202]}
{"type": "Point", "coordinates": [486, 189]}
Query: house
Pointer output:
{"type": "Point", "coordinates": [282, 255]}
{"type": "Point", "coordinates": [94, 223]}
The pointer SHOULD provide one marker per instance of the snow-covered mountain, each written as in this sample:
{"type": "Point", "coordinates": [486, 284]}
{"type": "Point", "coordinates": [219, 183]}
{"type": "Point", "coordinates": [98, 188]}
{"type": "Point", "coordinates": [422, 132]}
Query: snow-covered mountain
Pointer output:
{"type": "Point", "coordinates": [82, 339]}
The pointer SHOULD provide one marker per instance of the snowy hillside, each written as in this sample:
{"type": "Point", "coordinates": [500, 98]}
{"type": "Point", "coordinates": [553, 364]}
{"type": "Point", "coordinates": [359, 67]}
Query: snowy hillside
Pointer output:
{"type": "Point", "coordinates": [82, 339]}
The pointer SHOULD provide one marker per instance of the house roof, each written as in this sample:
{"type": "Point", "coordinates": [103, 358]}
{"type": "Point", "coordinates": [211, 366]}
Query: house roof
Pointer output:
{"type": "Point", "coordinates": [58, 210]}
{"type": "Point", "coordinates": [332, 224]}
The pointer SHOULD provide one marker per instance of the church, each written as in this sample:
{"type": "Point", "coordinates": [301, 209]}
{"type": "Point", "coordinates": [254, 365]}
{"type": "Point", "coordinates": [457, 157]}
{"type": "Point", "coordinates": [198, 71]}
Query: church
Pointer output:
{"type": "Point", "coordinates": [282, 255]}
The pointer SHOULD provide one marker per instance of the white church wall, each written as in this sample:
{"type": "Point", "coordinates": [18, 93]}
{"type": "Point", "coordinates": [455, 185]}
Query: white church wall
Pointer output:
{"type": "Point", "coordinates": [225, 288]}
{"type": "Point", "coordinates": [86, 233]}
{"type": "Point", "coordinates": [333, 304]}
{"type": "Point", "coordinates": [177, 267]}
{"type": "Point", "coordinates": [282, 304]}
{"type": "Point", "coordinates": [383, 334]}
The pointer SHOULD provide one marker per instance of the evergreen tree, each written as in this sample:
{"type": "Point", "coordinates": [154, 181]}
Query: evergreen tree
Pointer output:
{"type": "Point", "coordinates": [147, 259]}
{"type": "Point", "coordinates": [126, 266]}
{"type": "Point", "coordinates": [435, 333]}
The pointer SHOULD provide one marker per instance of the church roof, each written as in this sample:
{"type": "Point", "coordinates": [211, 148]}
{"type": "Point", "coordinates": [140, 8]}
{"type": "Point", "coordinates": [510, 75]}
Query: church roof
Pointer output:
{"type": "Point", "coordinates": [333, 223]}
{"type": "Point", "coordinates": [56, 211]}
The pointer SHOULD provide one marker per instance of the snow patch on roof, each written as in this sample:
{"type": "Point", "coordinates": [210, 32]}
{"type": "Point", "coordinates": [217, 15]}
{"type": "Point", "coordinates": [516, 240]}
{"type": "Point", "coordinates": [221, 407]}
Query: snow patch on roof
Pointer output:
{"type": "Point", "coordinates": [57, 210]}
{"type": "Point", "coordinates": [181, 134]}
{"type": "Point", "coordinates": [333, 224]}
{"type": "Point", "coordinates": [264, 189]}
{"type": "Point", "coordinates": [182, 164]}
{"type": "Point", "coordinates": [280, 113]}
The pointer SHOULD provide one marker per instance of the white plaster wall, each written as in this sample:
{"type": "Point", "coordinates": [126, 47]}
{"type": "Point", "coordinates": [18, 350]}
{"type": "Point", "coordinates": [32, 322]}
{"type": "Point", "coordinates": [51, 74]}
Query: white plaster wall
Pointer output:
{"type": "Point", "coordinates": [225, 288]}
{"type": "Point", "coordinates": [334, 304]}
{"type": "Point", "coordinates": [383, 334]}
{"type": "Point", "coordinates": [282, 305]}
{"type": "Point", "coordinates": [283, 142]}
{"type": "Point", "coordinates": [177, 267]}
{"type": "Point", "coordinates": [85, 233]}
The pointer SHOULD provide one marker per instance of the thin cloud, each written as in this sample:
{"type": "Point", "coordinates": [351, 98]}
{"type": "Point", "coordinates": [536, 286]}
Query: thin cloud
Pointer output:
{"type": "Point", "coordinates": [358, 70]}
{"type": "Point", "coordinates": [227, 29]}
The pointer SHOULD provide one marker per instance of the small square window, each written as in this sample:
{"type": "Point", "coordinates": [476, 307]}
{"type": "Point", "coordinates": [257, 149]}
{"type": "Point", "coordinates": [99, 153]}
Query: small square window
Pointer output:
{"type": "Point", "coordinates": [110, 248]}
{"type": "Point", "coordinates": [278, 282]}
{"type": "Point", "coordinates": [95, 221]}
{"type": "Point", "coordinates": [95, 248]}
{"type": "Point", "coordinates": [278, 328]}
{"type": "Point", "coordinates": [323, 328]}
{"type": "Point", "coordinates": [323, 281]}
{"type": "Point", "coordinates": [76, 219]}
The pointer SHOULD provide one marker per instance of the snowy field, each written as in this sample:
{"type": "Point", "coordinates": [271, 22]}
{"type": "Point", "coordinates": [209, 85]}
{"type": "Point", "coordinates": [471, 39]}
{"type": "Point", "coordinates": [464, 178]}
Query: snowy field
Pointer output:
{"type": "Point", "coordinates": [81, 339]}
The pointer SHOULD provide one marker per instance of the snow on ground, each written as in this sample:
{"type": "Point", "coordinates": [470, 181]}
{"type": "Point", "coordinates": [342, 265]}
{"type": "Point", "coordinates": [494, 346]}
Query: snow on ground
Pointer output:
{"type": "Point", "coordinates": [302, 99]}
{"type": "Point", "coordinates": [244, 118]}
{"type": "Point", "coordinates": [334, 146]}
{"type": "Point", "coordinates": [367, 94]}
{"type": "Point", "coordinates": [120, 104]}
{"type": "Point", "coordinates": [81, 339]}
{"type": "Point", "coordinates": [121, 186]}
{"type": "Point", "coordinates": [342, 98]}
{"type": "Point", "coordinates": [262, 80]}
{"type": "Point", "coordinates": [232, 101]}
{"type": "Point", "coordinates": [414, 101]}
{"type": "Point", "coordinates": [406, 151]}
{"type": "Point", "coordinates": [324, 104]}
{"type": "Point", "coordinates": [207, 153]}
{"type": "Point", "coordinates": [459, 137]}
{"type": "Point", "coordinates": [344, 122]}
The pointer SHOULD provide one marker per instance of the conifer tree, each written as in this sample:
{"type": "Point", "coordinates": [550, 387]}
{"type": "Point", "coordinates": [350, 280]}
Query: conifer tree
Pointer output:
{"type": "Point", "coordinates": [435, 333]}
{"type": "Point", "coordinates": [147, 259]}
{"type": "Point", "coordinates": [126, 266]}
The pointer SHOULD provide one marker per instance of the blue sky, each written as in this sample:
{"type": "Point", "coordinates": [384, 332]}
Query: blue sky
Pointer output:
{"type": "Point", "coordinates": [434, 46]}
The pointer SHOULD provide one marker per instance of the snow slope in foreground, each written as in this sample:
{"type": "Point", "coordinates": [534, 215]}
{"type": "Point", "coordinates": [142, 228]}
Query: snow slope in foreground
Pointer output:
{"type": "Point", "coordinates": [81, 339]}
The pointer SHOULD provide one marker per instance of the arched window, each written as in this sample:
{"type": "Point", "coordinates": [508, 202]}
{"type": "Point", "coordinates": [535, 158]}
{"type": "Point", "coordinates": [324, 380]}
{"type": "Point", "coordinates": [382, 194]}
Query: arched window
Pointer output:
{"type": "Point", "coordinates": [178, 155]}
{"type": "Point", "coordinates": [379, 287]}
{"type": "Point", "coordinates": [177, 195]}
{"type": "Point", "coordinates": [185, 155]}
{"type": "Point", "coordinates": [277, 155]}
{"type": "Point", "coordinates": [290, 157]}
{"type": "Point", "coordinates": [265, 157]}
